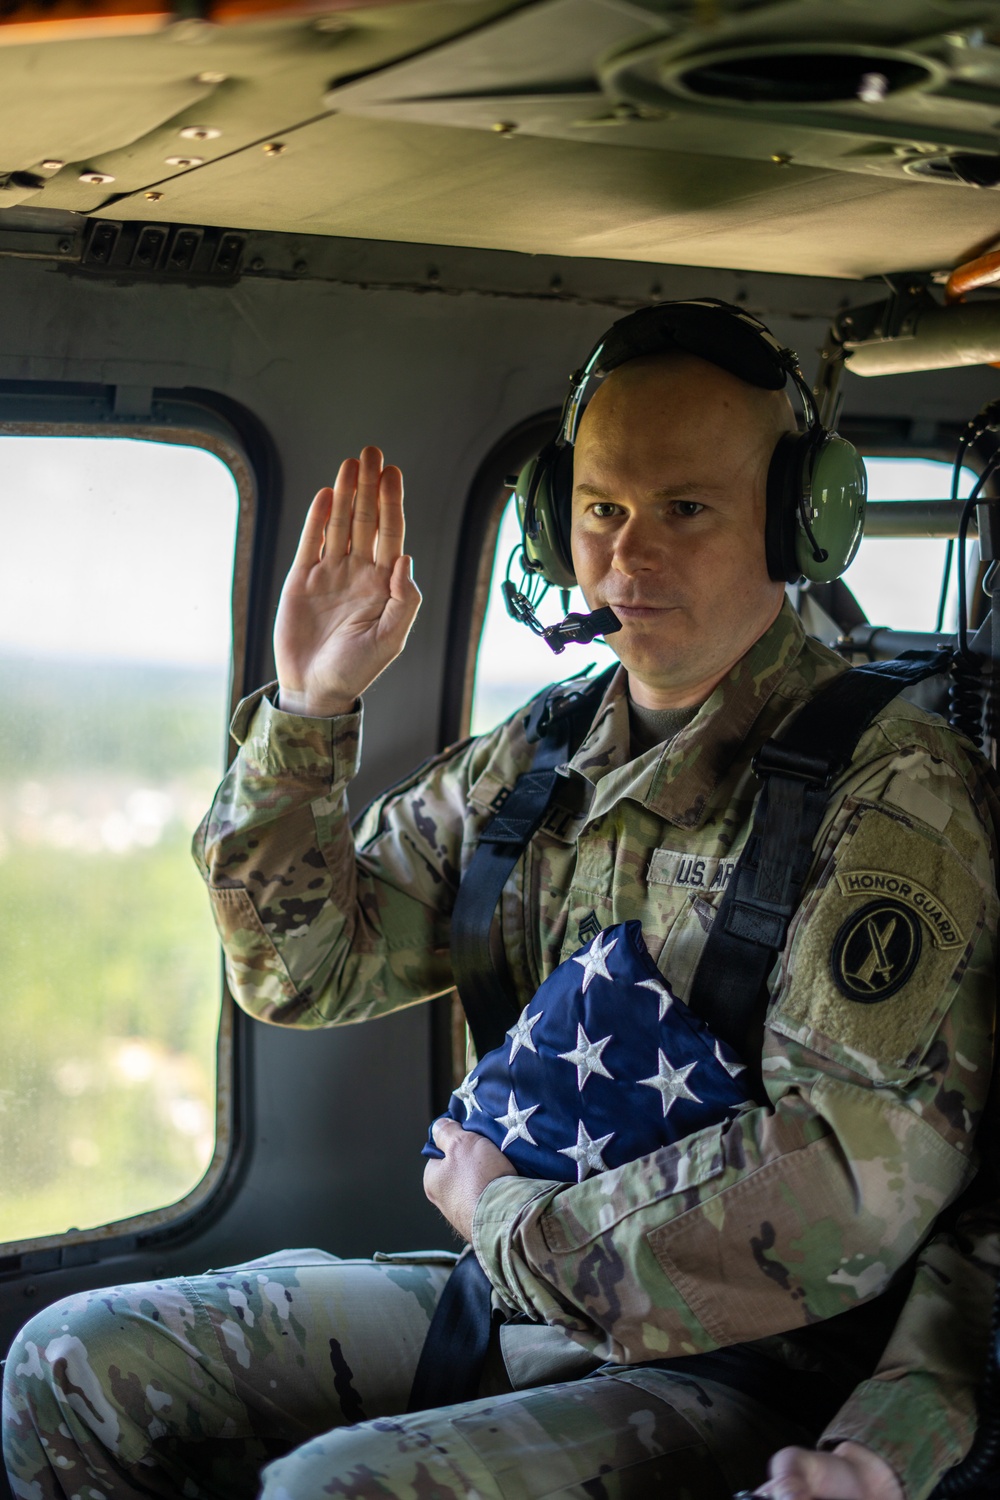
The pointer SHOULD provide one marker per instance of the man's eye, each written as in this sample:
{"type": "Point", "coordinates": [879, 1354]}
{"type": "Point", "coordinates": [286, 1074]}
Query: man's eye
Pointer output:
{"type": "Point", "coordinates": [689, 507]}
{"type": "Point", "coordinates": [604, 508]}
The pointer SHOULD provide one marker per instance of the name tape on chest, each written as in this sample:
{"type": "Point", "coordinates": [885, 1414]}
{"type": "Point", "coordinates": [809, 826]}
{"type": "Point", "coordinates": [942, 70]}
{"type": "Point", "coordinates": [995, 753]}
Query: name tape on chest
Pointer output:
{"type": "Point", "coordinates": [945, 931]}
{"type": "Point", "coordinates": [692, 872]}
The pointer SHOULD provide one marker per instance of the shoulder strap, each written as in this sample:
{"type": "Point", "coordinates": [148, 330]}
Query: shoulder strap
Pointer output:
{"type": "Point", "coordinates": [557, 722]}
{"type": "Point", "coordinates": [766, 886]}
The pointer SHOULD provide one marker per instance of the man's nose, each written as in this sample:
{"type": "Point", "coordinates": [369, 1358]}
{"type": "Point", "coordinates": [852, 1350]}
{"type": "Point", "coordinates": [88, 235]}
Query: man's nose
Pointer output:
{"type": "Point", "coordinates": [637, 548]}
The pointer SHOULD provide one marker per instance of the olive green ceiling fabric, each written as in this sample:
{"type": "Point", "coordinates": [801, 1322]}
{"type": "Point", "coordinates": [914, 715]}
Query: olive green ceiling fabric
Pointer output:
{"type": "Point", "coordinates": [425, 184]}
{"type": "Point", "coordinates": [118, 106]}
{"type": "Point", "coordinates": [482, 123]}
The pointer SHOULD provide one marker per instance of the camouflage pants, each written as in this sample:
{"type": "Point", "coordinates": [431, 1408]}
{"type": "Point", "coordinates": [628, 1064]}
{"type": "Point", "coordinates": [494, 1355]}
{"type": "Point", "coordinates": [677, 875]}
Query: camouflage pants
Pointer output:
{"type": "Point", "coordinates": [300, 1365]}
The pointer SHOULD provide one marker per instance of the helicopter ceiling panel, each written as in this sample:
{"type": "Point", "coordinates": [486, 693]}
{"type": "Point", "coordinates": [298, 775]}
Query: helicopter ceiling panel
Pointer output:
{"type": "Point", "coordinates": [826, 136]}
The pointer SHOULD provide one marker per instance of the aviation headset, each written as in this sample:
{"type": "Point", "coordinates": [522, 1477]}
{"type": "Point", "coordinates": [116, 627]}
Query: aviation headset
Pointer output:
{"type": "Point", "coordinates": [816, 483]}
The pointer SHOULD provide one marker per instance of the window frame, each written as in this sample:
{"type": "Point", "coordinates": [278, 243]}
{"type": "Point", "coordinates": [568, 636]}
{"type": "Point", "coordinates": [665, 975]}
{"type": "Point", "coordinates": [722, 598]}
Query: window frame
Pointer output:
{"type": "Point", "coordinates": [205, 419]}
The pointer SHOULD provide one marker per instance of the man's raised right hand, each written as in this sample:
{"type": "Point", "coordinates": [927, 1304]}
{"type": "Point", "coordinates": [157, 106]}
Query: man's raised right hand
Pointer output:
{"type": "Point", "coordinates": [349, 599]}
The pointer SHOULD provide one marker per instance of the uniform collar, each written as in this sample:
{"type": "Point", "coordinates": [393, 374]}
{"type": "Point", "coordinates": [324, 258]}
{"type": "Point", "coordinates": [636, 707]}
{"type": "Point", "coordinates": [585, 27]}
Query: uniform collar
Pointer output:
{"type": "Point", "coordinates": [677, 783]}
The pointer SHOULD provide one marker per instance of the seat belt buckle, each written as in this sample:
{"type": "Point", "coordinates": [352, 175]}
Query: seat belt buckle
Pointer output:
{"type": "Point", "coordinates": [775, 759]}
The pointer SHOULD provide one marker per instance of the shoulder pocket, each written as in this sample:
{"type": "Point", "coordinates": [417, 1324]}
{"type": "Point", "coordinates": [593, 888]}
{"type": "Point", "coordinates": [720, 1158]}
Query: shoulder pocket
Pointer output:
{"type": "Point", "coordinates": [879, 946]}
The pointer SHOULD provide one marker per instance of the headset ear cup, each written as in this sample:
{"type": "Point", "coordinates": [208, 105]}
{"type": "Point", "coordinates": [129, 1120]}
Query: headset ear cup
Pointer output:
{"type": "Point", "coordinates": [537, 485]}
{"type": "Point", "coordinates": [824, 475]}
{"type": "Point", "coordinates": [784, 486]}
{"type": "Point", "coordinates": [561, 490]}
{"type": "Point", "coordinates": [836, 491]}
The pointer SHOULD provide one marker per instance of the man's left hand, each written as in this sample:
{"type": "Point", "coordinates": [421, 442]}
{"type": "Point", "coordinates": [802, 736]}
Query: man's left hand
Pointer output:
{"type": "Point", "coordinates": [850, 1472]}
{"type": "Point", "coordinates": [470, 1163]}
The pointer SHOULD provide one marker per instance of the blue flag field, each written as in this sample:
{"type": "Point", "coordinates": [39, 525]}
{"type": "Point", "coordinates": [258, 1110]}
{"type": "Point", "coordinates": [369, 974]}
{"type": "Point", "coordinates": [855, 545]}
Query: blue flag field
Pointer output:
{"type": "Point", "coordinates": [604, 1065]}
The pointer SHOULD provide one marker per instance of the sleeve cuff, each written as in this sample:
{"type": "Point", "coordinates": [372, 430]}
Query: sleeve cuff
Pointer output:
{"type": "Point", "coordinates": [913, 1434]}
{"type": "Point", "coordinates": [276, 742]}
{"type": "Point", "coordinates": [500, 1206]}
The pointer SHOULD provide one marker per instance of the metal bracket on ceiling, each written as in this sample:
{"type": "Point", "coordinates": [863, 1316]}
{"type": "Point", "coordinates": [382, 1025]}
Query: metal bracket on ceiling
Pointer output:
{"type": "Point", "coordinates": [894, 318]}
{"type": "Point", "coordinates": [826, 391]}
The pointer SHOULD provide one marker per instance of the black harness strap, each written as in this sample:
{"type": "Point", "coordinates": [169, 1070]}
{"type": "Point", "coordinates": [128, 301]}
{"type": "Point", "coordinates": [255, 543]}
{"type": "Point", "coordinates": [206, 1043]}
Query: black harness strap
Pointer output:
{"type": "Point", "coordinates": [451, 1361]}
{"type": "Point", "coordinates": [765, 888]}
{"type": "Point", "coordinates": [557, 723]}
{"type": "Point", "coordinates": [454, 1351]}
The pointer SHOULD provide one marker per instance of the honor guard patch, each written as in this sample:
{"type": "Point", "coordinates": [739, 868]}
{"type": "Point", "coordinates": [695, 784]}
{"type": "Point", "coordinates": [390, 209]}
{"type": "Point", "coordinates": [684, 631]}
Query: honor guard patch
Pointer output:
{"type": "Point", "coordinates": [878, 945]}
{"type": "Point", "coordinates": [944, 929]}
{"type": "Point", "coordinates": [875, 951]}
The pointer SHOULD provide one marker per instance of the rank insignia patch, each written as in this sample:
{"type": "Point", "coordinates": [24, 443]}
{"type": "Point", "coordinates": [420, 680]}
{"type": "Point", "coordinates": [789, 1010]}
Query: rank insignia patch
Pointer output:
{"type": "Point", "coordinates": [588, 928]}
{"type": "Point", "coordinates": [875, 951]}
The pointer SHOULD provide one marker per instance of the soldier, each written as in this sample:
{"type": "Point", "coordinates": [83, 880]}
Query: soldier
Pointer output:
{"type": "Point", "coordinates": [682, 1317]}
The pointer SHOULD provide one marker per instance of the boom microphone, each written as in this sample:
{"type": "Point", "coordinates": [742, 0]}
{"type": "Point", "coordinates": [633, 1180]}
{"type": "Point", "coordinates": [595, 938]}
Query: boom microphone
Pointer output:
{"type": "Point", "coordinates": [574, 629]}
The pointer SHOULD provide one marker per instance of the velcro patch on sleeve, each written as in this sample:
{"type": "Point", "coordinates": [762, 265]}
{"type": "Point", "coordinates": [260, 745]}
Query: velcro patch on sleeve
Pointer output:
{"type": "Point", "coordinates": [876, 948]}
{"type": "Point", "coordinates": [915, 798]}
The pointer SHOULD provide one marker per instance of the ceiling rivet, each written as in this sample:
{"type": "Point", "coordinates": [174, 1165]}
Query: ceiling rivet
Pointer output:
{"type": "Point", "coordinates": [200, 133]}
{"type": "Point", "coordinates": [504, 127]}
{"type": "Point", "coordinates": [152, 197]}
{"type": "Point", "coordinates": [781, 158]}
{"type": "Point", "coordinates": [51, 165]}
{"type": "Point", "coordinates": [211, 77]}
{"type": "Point", "coordinates": [184, 161]}
{"type": "Point", "coordinates": [274, 148]}
{"type": "Point", "coordinates": [96, 179]}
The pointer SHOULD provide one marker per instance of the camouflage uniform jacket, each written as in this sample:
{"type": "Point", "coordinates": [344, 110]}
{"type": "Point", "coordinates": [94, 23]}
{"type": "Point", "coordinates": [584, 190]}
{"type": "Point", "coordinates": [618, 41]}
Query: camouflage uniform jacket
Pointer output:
{"type": "Point", "coordinates": [791, 1214]}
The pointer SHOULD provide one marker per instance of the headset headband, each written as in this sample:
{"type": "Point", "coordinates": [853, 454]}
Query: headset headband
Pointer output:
{"type": "Point", "coordinates": [717, 331]}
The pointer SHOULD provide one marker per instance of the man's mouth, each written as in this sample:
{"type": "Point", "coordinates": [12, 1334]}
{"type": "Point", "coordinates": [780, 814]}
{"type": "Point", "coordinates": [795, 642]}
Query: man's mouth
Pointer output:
{"type": "Point", "coordinates": [638, 611]}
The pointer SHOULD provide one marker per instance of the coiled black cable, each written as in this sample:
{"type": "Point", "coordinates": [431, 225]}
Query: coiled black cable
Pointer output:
{"type": "Point", "coordinates": [978, 1469]}
{"type": "Point", "coordinates": [965, 698]}
{"type": "Point", "coordinates": [988, 417]}
{"type": "Point", "coordinates": [963, 532]}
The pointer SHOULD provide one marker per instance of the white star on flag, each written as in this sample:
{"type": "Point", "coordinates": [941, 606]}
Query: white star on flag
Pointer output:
{"type": "Point", "coordinates": [586, 1153]}
{"type": "Point", "coordinates": [515, 1122]}
{"type": "Point", "coordinates": [466, 1091]}
{"type": "Point", "coordinates": [732, 1068]}
{"type": "Point", "coordinates": [666, 998]}
{"type": "Point", "coordinates": [586, 1057]}
{"type": "Point", "coordinates": [670, 1081]}
{"type": "Point", "coordinates": [594, 961]}
{"type": "Point", "coordinates": [520, 1034]}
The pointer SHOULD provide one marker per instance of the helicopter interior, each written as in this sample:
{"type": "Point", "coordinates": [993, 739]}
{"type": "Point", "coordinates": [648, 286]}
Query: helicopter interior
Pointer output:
{"type": "Point", "coordinates": [239, 240]}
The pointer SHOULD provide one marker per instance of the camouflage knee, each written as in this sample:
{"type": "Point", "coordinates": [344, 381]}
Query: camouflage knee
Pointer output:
{"type": "Point", "coordinates": [572, 1439]}
{"type": "Point", "coordinates": [96, 1381]}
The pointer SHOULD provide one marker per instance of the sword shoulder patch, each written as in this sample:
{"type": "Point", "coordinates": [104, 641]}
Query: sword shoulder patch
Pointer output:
{"type": "Point", "coordinates": [879, 945]}
{"type": "Point", "coordinates": [875, 951]}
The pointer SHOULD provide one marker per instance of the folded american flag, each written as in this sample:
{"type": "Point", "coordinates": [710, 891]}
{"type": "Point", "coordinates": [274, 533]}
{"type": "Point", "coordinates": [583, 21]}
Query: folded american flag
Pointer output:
{"type": "Point", "coordinates": [603, 1066]}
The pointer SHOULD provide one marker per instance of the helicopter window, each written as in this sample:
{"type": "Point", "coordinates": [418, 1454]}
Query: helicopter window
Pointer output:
{"type": "Point", "coordinates": [896, 580]}
{"type": "Point", "coordinates": [512, 663]}
{"type": "Point", "coordinates": [116, 578]}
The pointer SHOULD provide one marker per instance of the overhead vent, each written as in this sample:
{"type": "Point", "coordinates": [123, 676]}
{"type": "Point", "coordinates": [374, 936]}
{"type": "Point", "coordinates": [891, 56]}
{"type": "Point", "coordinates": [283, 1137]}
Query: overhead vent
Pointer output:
{"type": "Point", "coordinates": [974, 170]}
{"type": "Point", "coordinates": [798, 74]}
